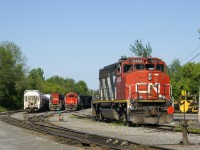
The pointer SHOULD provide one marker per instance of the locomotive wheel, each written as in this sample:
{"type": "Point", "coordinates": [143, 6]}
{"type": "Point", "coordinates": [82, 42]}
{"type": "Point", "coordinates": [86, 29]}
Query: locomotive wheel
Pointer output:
{"type": "Point", "coordinates": [123, 118]}
{"type": "Point", "coordinates": [127, 120]}
{"type": "Point", "coordinates": [99, 117]}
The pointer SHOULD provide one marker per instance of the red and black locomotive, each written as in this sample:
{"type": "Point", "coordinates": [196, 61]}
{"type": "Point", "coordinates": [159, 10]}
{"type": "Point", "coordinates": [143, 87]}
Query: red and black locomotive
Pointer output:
{"type": "Point", "coordinates": [57, 101]}
{"type": "Point", "coordinates": [73, 101]}
{"type": "Point", "coordinates": [134, 89]}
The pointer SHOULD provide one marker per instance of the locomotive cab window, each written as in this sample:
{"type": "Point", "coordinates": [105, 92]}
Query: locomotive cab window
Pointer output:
{"type": "Point", "coordinates": [71, 96]}
{"type": "Point", "coordinates": [160, 67]}
{"type": "Point", "coordinates": [127, 68]}
{"type": "Point", "coordinates": [119, 68]}
{"type": "Point", "coordinates": [139, 66]}
{"type": "Point", "coordinates": [149, 66]}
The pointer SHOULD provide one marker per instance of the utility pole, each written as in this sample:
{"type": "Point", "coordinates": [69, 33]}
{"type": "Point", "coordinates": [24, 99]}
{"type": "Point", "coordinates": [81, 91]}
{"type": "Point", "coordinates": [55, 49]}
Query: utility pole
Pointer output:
{"type": "Point", "coordinates": [199, 93]}
{"type": "Point", "coordinates": [184, 122]}
{"type": "Point", "coordinates": [199, 106]}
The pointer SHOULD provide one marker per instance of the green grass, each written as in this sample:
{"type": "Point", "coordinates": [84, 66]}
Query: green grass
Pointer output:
{"type": "Point", "coordinates": [73, 117]}
{"type": "Point", "coordinates": [2, 109]}
{"type": "Point", "coordinates": [117, 124]}
{"type": "Point", "coordinates": [195, 130]}
{"type": "Point", "coordinates": [191, 130]}
{"type": "Point", "coordinates": [78, 117]}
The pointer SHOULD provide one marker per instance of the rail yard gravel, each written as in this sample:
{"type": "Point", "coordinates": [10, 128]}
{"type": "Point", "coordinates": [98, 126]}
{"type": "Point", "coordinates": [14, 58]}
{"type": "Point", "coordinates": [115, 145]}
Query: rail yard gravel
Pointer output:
{"type": "Point", "coordinates": [146, 136]}
{"type": "Point", "coordinates": [15, 138]}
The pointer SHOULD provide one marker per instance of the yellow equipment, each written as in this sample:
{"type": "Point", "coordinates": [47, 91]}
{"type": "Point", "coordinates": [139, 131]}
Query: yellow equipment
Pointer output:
{"type": "Point", "coordinates": [191, 106]}
{"type": "Point", "coordinates": [187, 104]}
{"type": "Point", "coordinates": [184, 105]}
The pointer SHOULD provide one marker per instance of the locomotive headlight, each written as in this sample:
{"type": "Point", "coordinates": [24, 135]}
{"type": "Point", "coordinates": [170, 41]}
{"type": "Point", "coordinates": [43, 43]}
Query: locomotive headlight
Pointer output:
{"type": "Point", "coordinates": [149, 76]}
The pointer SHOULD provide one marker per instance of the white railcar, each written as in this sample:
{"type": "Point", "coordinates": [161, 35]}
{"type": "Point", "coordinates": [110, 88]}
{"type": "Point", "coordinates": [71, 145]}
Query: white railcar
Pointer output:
{"type": "Point", "coordinates": [35, 101]}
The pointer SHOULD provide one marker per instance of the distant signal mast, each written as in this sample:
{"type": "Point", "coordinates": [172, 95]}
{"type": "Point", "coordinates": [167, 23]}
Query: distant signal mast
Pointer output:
{"type": "Point", "coordinates": [199, 32]}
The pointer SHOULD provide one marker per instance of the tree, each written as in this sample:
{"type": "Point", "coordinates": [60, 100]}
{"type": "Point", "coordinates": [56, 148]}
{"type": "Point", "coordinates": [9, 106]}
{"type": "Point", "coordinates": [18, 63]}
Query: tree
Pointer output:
{"type": "Point", "coordinates": [185, 77]}
{"type": "Point", "coordinates": [140, 50]}
{"type": "Point", "coordinates": [59, 85]}
{"type": "Point", "coordinates": [65, 85]}
{"type": "Point", "coordinates": [123, 57]}
{"type": "Point", "coordinates": [190, 74]}
{"type": "Point", "coordinates": [174, 69]}
{"type": "Point", "coordinates": [175, 77]}
{"type": "Point", "coordinates": [36, 79]}
{"type": "Point", "coordinates": [81, 88]}
{"type": "Point", "coordinates": [70, 85]}
{"type": "Point", "coordinates": [12, 75]}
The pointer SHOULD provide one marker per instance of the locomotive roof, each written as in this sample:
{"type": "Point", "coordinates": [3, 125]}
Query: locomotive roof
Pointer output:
{"type": "Point", "coordinates": [141, 58]}
{"type": "Point", "coordinates": [31, 92]}
{"type": "Point", "coordinates": [131, 58]}
{"type": "Point", "coordinates": [110, 66]}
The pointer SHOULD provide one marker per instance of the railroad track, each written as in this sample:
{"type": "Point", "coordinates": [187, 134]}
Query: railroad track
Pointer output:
{"type": "Point", "coordinates": [86, 139]}
{"type": "Point", "coordinates": [159, 127]}
{"type": "Point", "coordinates": [68, 136]}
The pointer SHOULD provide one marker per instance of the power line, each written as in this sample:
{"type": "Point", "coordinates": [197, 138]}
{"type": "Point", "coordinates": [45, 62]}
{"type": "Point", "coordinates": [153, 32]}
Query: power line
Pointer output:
{"type": "Point", "coordinates": [191, 53]}
{"type": "Point", "coordinates": [193, 58]}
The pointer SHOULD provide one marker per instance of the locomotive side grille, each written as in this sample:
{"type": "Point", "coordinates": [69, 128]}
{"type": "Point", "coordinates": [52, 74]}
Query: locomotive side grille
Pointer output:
{"type": "Point", "coordinates": [107, 85]}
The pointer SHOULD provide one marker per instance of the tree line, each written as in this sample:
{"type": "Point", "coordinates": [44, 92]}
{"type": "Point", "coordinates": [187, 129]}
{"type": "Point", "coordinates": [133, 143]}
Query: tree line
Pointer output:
{"type": "Point", "coordinates": [15, 78]}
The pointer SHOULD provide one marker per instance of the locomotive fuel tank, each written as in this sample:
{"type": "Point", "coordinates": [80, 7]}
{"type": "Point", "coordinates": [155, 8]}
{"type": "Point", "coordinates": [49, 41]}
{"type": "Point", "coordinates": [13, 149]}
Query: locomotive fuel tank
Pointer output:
{"type": "Point", "coordinates": [109, 113]}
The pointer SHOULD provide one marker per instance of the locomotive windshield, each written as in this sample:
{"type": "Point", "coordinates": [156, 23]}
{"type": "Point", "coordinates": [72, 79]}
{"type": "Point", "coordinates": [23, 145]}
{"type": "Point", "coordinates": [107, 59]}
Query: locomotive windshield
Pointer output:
{"type": "Point", "coordinates": [139, 66]}
{"type": "Point", "coordinates": [128, 67]}
{"type": "Point", "coordinates": [71, 96]}
{"type": "Point", "coordinates": [149, 66]}
{"type": "Point", "coordinates": [160, 67]}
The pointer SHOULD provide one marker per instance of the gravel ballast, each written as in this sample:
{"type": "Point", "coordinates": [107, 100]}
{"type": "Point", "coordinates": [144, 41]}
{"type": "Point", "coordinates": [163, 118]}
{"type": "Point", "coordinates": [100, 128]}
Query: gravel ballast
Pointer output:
{"type": "Point", "coordinates": [141, 135]}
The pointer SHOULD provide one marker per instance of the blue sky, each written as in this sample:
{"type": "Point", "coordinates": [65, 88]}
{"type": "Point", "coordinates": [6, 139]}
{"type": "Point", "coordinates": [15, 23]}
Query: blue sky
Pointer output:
{"type": "Point", "coordinates": [76, 38]}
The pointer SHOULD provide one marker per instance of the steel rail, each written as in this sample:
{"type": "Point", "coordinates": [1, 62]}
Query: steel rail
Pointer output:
{"type": "Point", "coordinates": [38, 123]}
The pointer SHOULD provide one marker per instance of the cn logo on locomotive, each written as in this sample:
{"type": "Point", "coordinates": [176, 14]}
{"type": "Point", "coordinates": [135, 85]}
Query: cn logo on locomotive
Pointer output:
{"type": "Point", "coordinates": [150, 86]}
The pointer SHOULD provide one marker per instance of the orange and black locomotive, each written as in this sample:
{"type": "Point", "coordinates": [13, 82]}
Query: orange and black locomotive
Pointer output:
{"type": "Point", "coordinates": [73, 101]}
{"type": "Point", "coordinates": [134, 89]}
